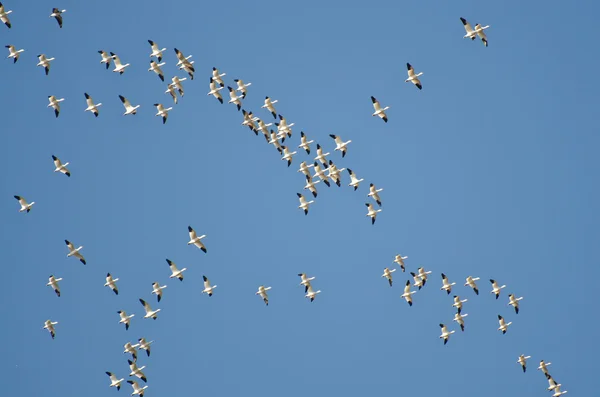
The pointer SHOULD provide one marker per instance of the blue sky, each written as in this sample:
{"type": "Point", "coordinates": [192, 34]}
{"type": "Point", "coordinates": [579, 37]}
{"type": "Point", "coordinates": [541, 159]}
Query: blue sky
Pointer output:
{"type": "Point", "coordinates": [488, 171]}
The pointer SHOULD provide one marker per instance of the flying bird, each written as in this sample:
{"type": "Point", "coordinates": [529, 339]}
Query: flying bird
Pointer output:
{"type": "Point", "coordinates": [53, 282]}
{"type": "Point", "coordinates": [283, 128]}
{"type": "Point", "coordinates": [354, 181]}
{"type": "Point", "coordinates": [374, 193]}
{"type": "Point", "coordinates": [91, 106]}
{"type": "Point", "coordinates": [311, 294]}
{"type": "Point", "coordinates": [171, 90]}
{"type": "Point", "coordinates": [176, 273]}
{"type": "Point", "coordinates": [106, 59]}
{"type": "Point", "coordinates": [137, 390]}
{"type": "Point", "coordinates": [119, 67]}
{"type": "Point", "coordinates": [55, 104]}
{"type": "Point", "coordinates": [418, 281]}
{"type": "Point", "coordinates": [305, 281]}
{"type": "Point", "coordinates": [305, 168]}
{"type": "Point", "coordinates": [340, 145]}
{"type": "Point", "coordinates": [523, 361]}
{"type": "Point", "coordinates": [208, 289]}
{"type": "Point", "coordinates": [176, 83]}
{"type": "Point", "coordinates": [458, 304]}
{"type": "Point", "coordinates": [234, 98]}
{"type": "Point", "coordinates": [157, 289]}
{"type": "Point", "coordinates": [125, 319]}
{"type": "Point", "coordinates": [25, 206]}
{"type": "Point", "coordinates": [195, 240]}
{"type": "Point", "coordinates": [287, 155]}
{"type": "Point", "coordinates": [128, 108]}
{"type": "Point", "coordinates": [214, 90]}
{"type": "Point", "coordinates": [155, 51]}
{"type": "Point", "coordinates": [372, 212]}
{"type": "Point", "coordinates": [112, 283]}
{"type": "Point", "coordinates": [4, 16]}
{"type": "Point", "coordinates": [558, 392]}
{"type": "Point", "coordinates": [114, 382]}
{"type": "Point", "coordinates": [472, 33]}
{"type": "Point", "coordinates": [495, 289]}
{"type": "Point", "coordinates": [319, 172]}
{"type": "Point", "coordinates": [56, 13]}
{"type": "Point", "coordinates": [514, 302]}
{"type": "Point", "coordinates": [13, 52]}
{"type": "Point", "coordinates": [183, 61]}
{"type": "Point", "coordinates": [445, 334]}
{"type": "Point", "coordinates": [262, 291]}
{"type": "Point", "coordinates": [129, 348]}
{"type": "Point", "coordinates": [149, 312]}
{"type": "Point", "coordinates": [75, 251]}
{"type": "Point", "coordinates": [423, 274]}
{"type": "Point", "coordinates": [162, 111]}
{"type": "Point", "coordinates": [407, 295]}
{"type": "Point", "coordinates": [334, 173]}
{"type": "Point", "coordinates": [60, 167]}
{"type": "Point", "coordinates": [155, 67]}
{"type": "Point", "coordinates": [412, 77]}
{"type": "Point", "coordinates": [310, 185]}
{"type": "Point", "coordinates": [470, 281]}
{"type": "Point", "coordinates": [304, 143]}
{"type": "Point", "coordinates": [44, 62]}
{"type": "Point", "coordinates": [387, 273]}
{"type": "Point", "coordinates": [543, 367]}
{"type": "Point", "coordinates": [145, 345]}
{"type": "Point", "coordinates": [378, 110]}
{"type": "Point", "coordinates": [458, 317]}
{"type": "Point", "coordinates": [399, 259]}
{"type": "Point", "coordinates": [503, 324]}
{"type": "Point", "coordinates": [136, 371]}
{"type": "Point", "coordinates": [446, 285]}
{"type": "Point", "coordinates": [304, 204]}
{"type": "Point", "coordinates": [242, 87]}
{"type": "Point", "coordinates": [49, 325]}
{"type": "Point", "coordinates": [218, 76]}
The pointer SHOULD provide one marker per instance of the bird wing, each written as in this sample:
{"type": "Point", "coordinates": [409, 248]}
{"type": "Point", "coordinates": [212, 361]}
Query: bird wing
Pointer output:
{"type": "Point", "coordinates": [206, 282]}
{"type": "Point", "coordinates": [69, 244]}
{"type": "Point", "coordinates": [89, 100]}
{"type": "Point", "coordinates": [125, 101]}
{"type": "Point", "coordinates": [309, 289]}
{"type": "Point", "coordinates": [376, 104]}
{"type": "Point", "coordinates": [411, 70]}
{"type": "Point", "coordinates": [146, 305]}
{"type": "Point", "coordinates": [192, 233]}
{"type": "Point", "coordinates": [57, 162]}
{"type": "Point", "coordinates": [116, 58]}
{"type": "Point", "coordinates": [302, 199]}
{"type": "Point", "coordinates": [172, 266]}
{"type": "Point", "coordinates": [480, 32]}
{"type": "Point", "coordinates": [467, 25]}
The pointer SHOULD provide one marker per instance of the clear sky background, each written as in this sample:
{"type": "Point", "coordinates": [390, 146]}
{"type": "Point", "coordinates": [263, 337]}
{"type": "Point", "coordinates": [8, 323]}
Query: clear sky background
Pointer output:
{"type": "Point", "coordinates": [490, 171]}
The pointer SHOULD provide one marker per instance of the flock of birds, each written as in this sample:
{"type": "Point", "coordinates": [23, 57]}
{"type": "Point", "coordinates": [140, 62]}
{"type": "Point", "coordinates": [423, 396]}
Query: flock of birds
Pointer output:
{"type": "Point", "coordinates": [325, 170]}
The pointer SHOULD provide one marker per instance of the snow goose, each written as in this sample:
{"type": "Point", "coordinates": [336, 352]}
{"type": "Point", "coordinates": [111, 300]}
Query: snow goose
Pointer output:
{"type": "Point", "coordinates": [119, 67]}
{"type": "Point", "coordinates": [155, 67]}
{"type": "Point", "coordinates": [320, 156]}
{"type": "Point", "coordinates": [56, 13]}
{"type": "Point", "coordinates": [514, 302]}
{"type": "Point", "coordinates": [283, 128]}
{"type": "Point", "coordinates": [129, 348]}
{"type": "Point", "coordinates": [472, 33]}
{"type": "Point", "coordinates": [523, 361]}
{"type": "Point", "coordinates": [319, 172]}
{"type": "Point", "coordinates": [128, 108]}
{"type": "Point", "coordinates": [149, 312]}
{"type": "Point", "coordinates": [176, 83]}
{"type": "Point", "coordinates": [218, 76]}
{"type": "Point", "coordinates": [269, 106]}
{"type": "Point", "coordinates": [407, 295]}
{"type": "Point", "coordinates": [176, 273]}
{"type": "Point", "coordinates": [458, 304]}
{"type": "Point", "coordinates": [304, 204]}
{"type": "Point", "coordinates": [495, 289]}
{"type": "Point", "coordinates": [378, 110]}
{"type": "Point", "coordinates": [44, 62]}
{"type": "Point", "coordinates": [4, 16]}
{"type": "Point", "coordinates": [137, 390]}
{"type": "Point", "coordinates": [374, 193]}
{"type": "Point", "coordinates": [481, 34]}
{"type": "Point", "coordinates": [558, 392]}
{"type": "Point", "coordinates": [157, 289]}
{"type": "Point", "coordinates": [49, 325]}
{"type": "Point", "coordinates": [287, 155]}
{"type": "Point", "coordinates": [399, 259]}
{"type": "Point", "coordinates": [171, 90]}
{"type": "Point", "coordinates": [372, 212]}
{"type": "Point", "coordinates": [125, 319]}
{"type": "Point", "coordinates": [412, 77]}
{"type": "Point", "coordinates": [459, 319]}
{"type": "Point", "coordinates": [214, 90]}
{"type": "Point", "coordinates": [25, 206]}
{"type": "Point", "coordinates": [155, 51]}
{"type": "Point", "coordinates": [242, 87]}
{"type": "Point", "coordinates": [334, 173]}
{"type": "Point", "coordinates": [195, 240]}
{"type": "Point", "coordinates": [114, 382]}
{"type": "Point", "coordinates": [305, 281]}
{"type": "Point", "coordinates": [53, 282]}
{"type": "Point", "coordinates": [340, 145]}
{"type": "Point", "coordinates": [304, 168]}
{"type": "Point", "coordinates": [75, 251]}
{"type": "Point", "coordinates": [310, 185]}
{"type": "Point", "coordinates": [275, 142]}
{"type": "Point", "coordinates": [60, 167]}
{"type": "Point", "coordinates": [234, 98]}
{"type": "Point", "coordinates": [91, 106]}
{"type": "Point", "coordinates": [249, 121]}
{"type": "Point", "coordinates": [189, 69]}
{"type": "Point", "coordinates": [145, 345]}
{"type": "Point", "coordinates": [446, 285]}
{"type": "Point", "coordinates": [354, 181]}
{"type": "Point", "coordinates": [418, 280]}
{"type": "Point", "coordinates": [14, 53]}
{"type": "Point", "coordinates": [55, 104]}
{"type": "Point", "coordinates": [106, 59]}
{"type": "Point", "coordinates": [208, 289]}
{"type": "Point", "coordinates": [304, 142]}
{"type": "Point", "coordinates": [552, 385]}
{"type": "Point", "coordinates": [162, 111]}
{"type": "Point", "coordinates": [445, 334]}
{"type": "Point", "coordinates": [261, 126]}
{"type": "Point", "coordinates": [503, 324]}
{"type": "Point", "coordinates": [262, 291]}
{"type": "Point", "coordinates": [470, 281]}
{"type": "Point", "coordinates": [112, 283]}
{"type": "Point", "coordinates": [423, 274]}
{"type": "Point", "coordinates": [543, 367]}
{"type": "Point", "coordinates": [182, 60]}
{"type": "Point", "coordinates": [387, 273]}
{"type": "Point", "coordinates": [311, 294]}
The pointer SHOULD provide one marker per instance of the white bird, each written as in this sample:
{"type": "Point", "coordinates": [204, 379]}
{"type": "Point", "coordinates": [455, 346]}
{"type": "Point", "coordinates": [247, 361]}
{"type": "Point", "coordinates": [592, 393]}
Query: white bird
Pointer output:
{"type": "Point", "coordinates": [423, 274]}
{"type": "Point", "coordinates": [4, 16]}
{"type": "Point", "coordinates": [480, 32]}
{"type": "Point", "coordinates": [340, 145]}
{"type": "Point", "coordinates": [334, 173]}
{"type": "Point", "coordinates": [459, 319]}
{"type": "Point", "coordinates": [412, 77]}
{"type": "Point", "coordinates": [129, 348]}
{"type": "Point", "coordinates": [470, 281]}
{"type": "Point", "coordinates": [320, 156]}
{"type": "Point", "coordinates": [25, 206]}
{"type": "Point", "coordinates": [304, 168]}
{"type": "Point", "coordinates": [44, 62]}
{"type": "Point", "coordinates": [374, 193]}
{"type": "Point", "coordinates": [275, 142]}
{"type": "Point", "coordinates": [458, 304]}
{"type": "Point", "coordinates": [503, 324]}
{"type": "Point", "coordinates": [49, 325]}
{"type": "Point", "coordinates": [495, 289]}
{"type": "Point", "coordinates": [214, 90]}
{"type": "Point", "coordinates": [445, 334]}
{"type": "Point", "coordinates": [558, 392]}
{"type": "Point", "coordinates": [234, 98]}
{"type": "Point", "coordinates": [261, 126]}
{"type": "Point", "coordinates": [137, 390]}
{"type": "Point", "coordinates": [13, 53]}
{"type": "Point", "coordinates": [472, 33]}
{"type": "Point", "coordinates": [119, 67]}
{"type": "Point", "coordinates": [446, 285]}
{"type": "Point", "coordinates": [184, 63]}
{"type": "Point", "coordinates": [218, 77]}
{"type": "Point", "coordinates": [378, 110]}
{"type": "Point", "coordinates": [242, 87]}
{"type": "Point", "coordinates": [208, 289]}
{"type": "Point", "coordinates": [305, 281]}
{"type": "Point", "coordinates": [523, 361]}
{"type": "Point", "coordinates": [91, 106]}
{"type": "Point", "coordinates": [56, 13]}
{"type": "Point", "coordinates": [543, 367]}
{"type": "Point", "coordinates": [55, 104]}
{"type": "Point", "coordinates": [249, 121]}
{"type": "Point", "coordinates": [171, 90]}
{"type": "Point", "coordinates": [387, 273]}
{"type": "Point", "coordinates": [125, 319]}
{"type": "Point", "coordinates": [128, 108]}
{"type": "Point", "coordinates": [407, 295]}
{"type": "Point", "coordinates": [106, 59]}
{"type": "Point", "coordinates": [514, 302]}
{"type": "Point", "coordinates": [114, 382]}
{"type": "Point", "coordinates": [354, 181]}
{"type": "Point", "coordinates": [176, 83]}
{"type": "Point", "coordinates": [53, 282]}
{"type": "Point", "coordinates": [304, 143]}
{"type": "Point", "coordinates": [60, 167]}
{"type": "Point", "coordinates": [175, 273]}
{"type": "Point", "coordinates": [418, 281]}
{"type": "Point", "coordinates": [112, 283]}
{"type": "Point", "coordinates": [552, 383]}
{"type": "Point", "coordinates": [155, 51]}
{"type": "Point", "coordinates": [162, 111]}
{"type": "Point", "coordinates": [149, 312]}
{"type": "Point", "coordinates": [399, 259]}
{"type": "Point", "coordinates": [372, 212]}
{"type": "Point", "coordinates": [283, 128]}
{"type": "Point", "coordinates": [310, 185]}
{"type": "Point", "coordinates": [75, 251]}
{"type": "Point", "coordinates": [287, 155]}
{"type": "Point", "coordinates": [319, 172]}
{"type": "Point", "coordinates": [195, 240]}
{"type": "Point", "coordinates": [262, 291]}
{"type": "Point", "coordinates": [304, 204]}
{"type": "Point", "coordinates": [145, 345]}
{"type": "Point", "coordinates": [312, 294]}
{"type": "Point", "coordinates": [269, 106]}
{"type": "Point", "coordinates": [157, 289]}
{"type": "Point", "coordinates": [155, 67]}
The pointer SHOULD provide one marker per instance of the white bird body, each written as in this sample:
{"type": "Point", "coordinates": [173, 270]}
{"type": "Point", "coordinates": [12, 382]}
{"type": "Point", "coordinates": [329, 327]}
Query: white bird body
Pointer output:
{"type": "Point", "coordinates": [162, 111]}
{"type": "Point", "coordinates": [458, 303]}
{"type": "Point", "coordinates": [503, 324]}
{"type": "Point", "coordinates": [183, 62]}
{"type": "Point", "coordinates": [311, 294]}
{"type": "Point", "coordinates": [379, 112]}
{"type": "Point", "coordinates": [261, 126]}
{"type": "Point", "coordinates": [304, 204]}
{"type": "Point", "coordinates": [125, 319]}
{"type": "Point", "coordinates": [320, 156]}
{"type": "Point", "coordinates": [129, 348]}
{"type": "Point", "coordinates": [249, 121]}
{"type": "Point", "coordinates": [407, 295]}
{"type": "Point", "coordinates": [75, 251]}
{"type": "Point", "coordinates": [543, 367]}
{"type": "Point", "coordinates": [214, 90]}
{"type": "Point", "coordinates": [423, 274]}
{"type": "Point", "coordinates": [241, 87]}
{"type": "Point", "coordinates": [234, 98]}
{"type": "Point", "coordinates": [305, 168]}
{"type": "Point", "coordinates": [269, 106]}
{"type": "Point", "coordinates": [114, 382]}
{"type": "Point", "coordinates": [283, 128]}
{"type": "Point", "coordinates": [387, 273]}
{"type": "Point", "coordinates": [374, 193]}
{"type": "Point", "coordinates": [13, 52]}
{"type": "Point", "coordinates": [445, 333]}
{"type": "Point", "coordinates": [157, 289]}
{"type": "Point", "coordinates": [45, 63]}
{"type": "Point", "coordinates": [137, 390]}
{"type": "Point", "coordinates": [155, 67]}
{"type": "Point", "coordinates": [171, 90]}
{"type": "Point", "coordinates": [446, 285]}
{"type": "Point", "coordinates": [112, 283]}
{"type": "Point", "coordinates": [305, 281]}
{"type": "Point", "coordinates": [418, 281]}
{"type": "Point", "coordinates": [155, 51]}
{"type": "Point", "coordinates": [208, 289]}
{"type": "Point", "coordinates": [262, 291]}
{"type": "Point", "coordinates": [287, 155]}
{"type": "Point", "coordinates": [91, 106]}
{"type": "Point", "coordinates": [472, 33]}
{"type": "Point", "coordinates": [304, 142]}
{"type": "Point", "coordinates": [339, 144]}
{"type": "Point", "coordinates": [558, 392]}
{"type": "Point", "coordinates": [372, 212]}
{"type": "Point", "coordinates": [25, 206]}
{"type": "Point", "coordinates": [334, 173]}
{"type": "Point", "coordinates": [310, 185]}
{"type": "Point", "coordinates": [495, 289]}
{"type": "Point", "coordinates": [523, 361]}
{"type": "Point", "coordinates": [195, 240]}
{"type": "Point", "coordinates": [514, 302]}
{"type": "Point", "coordinates": [53, 282]}
{"type": "Point", "coordinates": [218, 76]}
{"type": "Point", "coordinates": [399, 259]}
{"type": "Point", "coordinates": [175, 273]}
{"type": "Point", "coordinates": [412, 77]}
{"type": "Point", "coordinates": [119, 67]}
{"type": "Point", "coordinates": [275, 142]}
{"type": "Point", "coordinates": [128, 108]}
{"type": "Point", "coordinates": [552, 385]}
{"type": "Point", "coordinates": [458, 317]}
{"type": "Point", "coordinates": [4, 16]}
{"type": "Point", "coordinates": [470, 281]}
{"type": "Point", "coordinates": [320, 173]}
{"type": "Point", "coordinates": [106, 59]}
{"type": "Point", "coordinates": [354, 181]}
{"type": "Point", "coordinates": [49, 325]}
{"type": "Point", "coordinates": [145, 345]}
{"type": "Point", "coordinates": [149, 312]}
{"type": "Point", "coordinates": [55, 104]}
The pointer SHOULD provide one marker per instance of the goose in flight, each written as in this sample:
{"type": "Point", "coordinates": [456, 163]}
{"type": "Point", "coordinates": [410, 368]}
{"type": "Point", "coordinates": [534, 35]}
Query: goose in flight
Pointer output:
{"type": "Point", "coordinates": [305, 281]}
{"type": "Point", "coordinates": [543, 367]}
{"type": "Point", "coordinates": [149, 312]}
{"type": "Point", "coordinates": [423, 274]}
{"type": "Point", "coordinates": [157, 289]}
{"type": "Point", "coordinates": [129, 348]}
{"type": "Point", "coordinates": [305, 168]}
{"type": "Point", "coordinates": [189, 69]}
{"type": "Point", "coordinates": [114, 382]}
{"type": "Point", "coordinates": [372, 212]}
{"type": "Point", "coordinates": [378, 110]}
{"type": "Point", "coordinates": [234, 98]}
{"type": "Point", "coordinates": [275, 142]}
{"type": "Point", "coordinates": [25, 206]}
{"type": "Point", "coordinates": [55, 104]}
{"type": "Point", "coordinates": [311, 294]}
{"type": "Point", "coordinates": [195, 240]}
{"type": "Point", "coordinates": [459, 319]}
{"type": "Point", "coordinates": [387, 273]}
{"type": "Point", "coordinates": [184, 63]}
{"type": "Point", "coordinates": [176, 273]}
{"type": "Point", "coordinates": [503, 324]}
{"type": "Point", "coordinates": [283, 128]}
{"type": "Point", "coordinates": [374, 193]}
{"type": "Point", "coordinates": [145, 345]}
{"type": "Point", "coordinates": [269, 106]}
{"type": "Point", "coordinates": [91, 106]}
{"type": "Point", "coordinates": [458, 304]}
{"type": "Point", "coordinates": [262, 291]}
{"type": "Point", "coordinates": [495, 289]}
{"type": "Point", "coordinates": [470, 281]}
{"type": "Point", "coordinates": [445, 334]}
{"type": "Point", "coordinates": [171, 90]}
{"type": "Point", "coordinates": [214, 90]}
{"type": "Point", "coordinates": [106, 59]}
{"type": "Point", "coordinates": [60, 167]}
{"type": "Point", "coordinates": [136, 371]}
{"type": "Point", "coordinates": [49, 325]}
{"type": "Point", "coordinates": [319, 172]}
{"type": "Point", "coordinates": [407, 295]}
{"type": "Point", "coordinates": [119, 67]}
{"type": "Point", "coordinates": [481, 34]}
{"type": "Point", "coordinates": [155, 67]}
{"type": "Point", "coordinates": [320, 156]}
{"type": "Point", "coordinates": [249, 121]}
{"type": "Point", "coordinates": [287, 155]}
{"type": "Point", "coordinates": [125, 319]}
{"type": "Point", "coordinates": [514, 302]}
{"type": "Point", "coordinates": [4, 16]}
{"type": "Point", "coordinates": [523, 361]}
{"type": "Point", "coordinates": [304, 142]}
{"type": "Point", "coordinates": [128, 108]}
{"type": "Point", "coordinates": [418, 280]}
{"type": "Point", "coordinates": [56, 13]}
{"type": "Point", "coordinates": [53, 282]}
{"type": "Point", "coordinates": [14, 53]}
{"type": "Point", "coordinates": [176, 83]}
{"type": "Point", "coordinates": [112, 283]}
{"type": "Point", "coordinates": [354, 181]}
{"type": "Point", "coordinates": [162, 111]}
{"type": "Point", "coordinates": [304, 204]}
{"type": "Point", "coordinates": [218, 76]}
{"type": "Point", "coordinates": [242, 87]}
{"type": "Point", "coordinates": [137, 390]}
{"type": "Point", "coordinates": [446, 285]}
{"type": "Point", "coordinates": [310, 185]}
{"type": "Point", "coordinates": [44, 62]}
{"type": "Point", "coordinates": [334, 173]}
{"type": "Point", "coordinates": [399, 259]}
{"type": "Point", "coordinates": [552, 385]}
{"type": "Point", "coordinates": [75, 251]}
{"type": "Point", "coordinates": [558, 392]}
{"type": "Point", "coordinates": [208, 289]}
{"type": "Point", "coordinates": [472, 33]}
{"type": "Point", "coordinates": [261, 126]}
{"type": "Point", "coordinates": [412, 77]}
{"type": "Point", "coordinates": [340, 145]}
{"type": "Point", "coordinates": [155, 51]}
